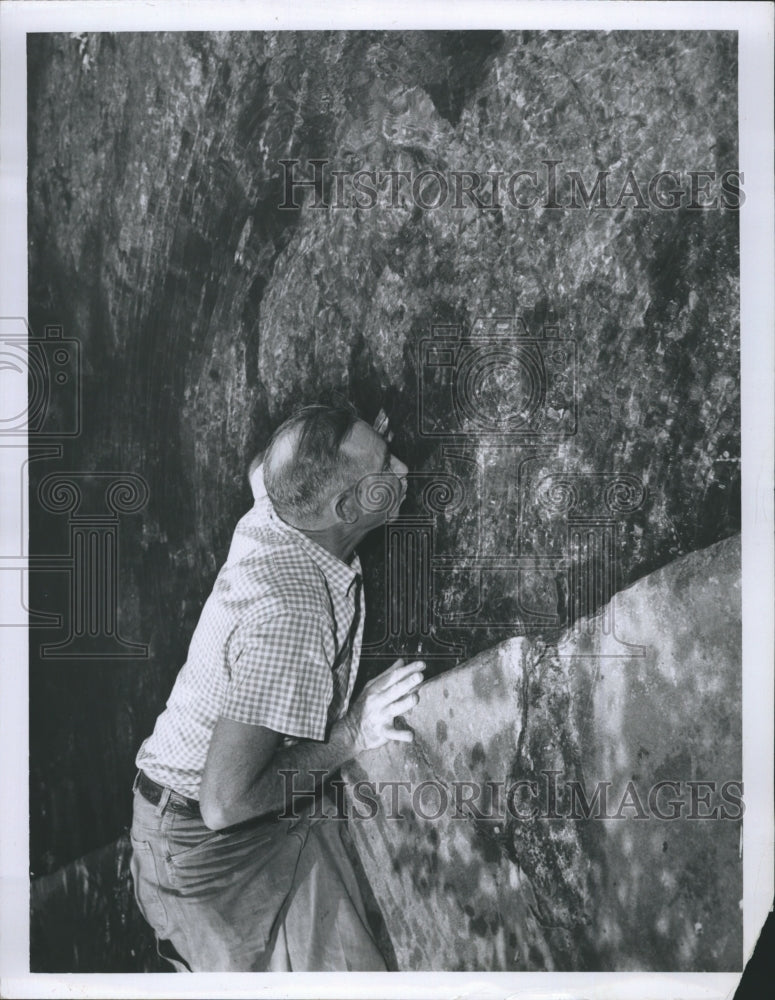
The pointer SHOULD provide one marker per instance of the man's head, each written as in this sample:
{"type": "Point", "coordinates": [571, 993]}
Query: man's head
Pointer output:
{"type": "Point", "coordinates": [320, 465]}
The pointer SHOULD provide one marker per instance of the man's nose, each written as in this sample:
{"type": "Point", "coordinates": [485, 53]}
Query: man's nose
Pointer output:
{"type": "Point", "coordinates": [398, 466]}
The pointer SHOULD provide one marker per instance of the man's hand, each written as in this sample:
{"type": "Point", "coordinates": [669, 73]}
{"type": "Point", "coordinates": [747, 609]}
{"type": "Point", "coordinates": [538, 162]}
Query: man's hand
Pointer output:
{"type": "Point", "coordinates": [242, 775]}
{"type": "Point", "coordinates": [371, 719]}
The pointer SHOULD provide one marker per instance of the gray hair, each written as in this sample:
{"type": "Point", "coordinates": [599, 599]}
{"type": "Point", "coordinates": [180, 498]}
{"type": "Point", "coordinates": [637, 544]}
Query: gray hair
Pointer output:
{"type": "Point", "coordinates": [304, 465]}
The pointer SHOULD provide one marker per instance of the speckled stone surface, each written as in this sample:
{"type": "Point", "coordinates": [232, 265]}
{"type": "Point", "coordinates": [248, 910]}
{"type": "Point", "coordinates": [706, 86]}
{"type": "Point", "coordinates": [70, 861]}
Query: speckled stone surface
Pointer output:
{"type": "Point", "coordinates": [628, 888]}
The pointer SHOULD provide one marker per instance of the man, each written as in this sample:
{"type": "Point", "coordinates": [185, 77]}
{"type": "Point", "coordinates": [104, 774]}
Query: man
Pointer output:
{"type": "Point", "coordinates": [226, 884]}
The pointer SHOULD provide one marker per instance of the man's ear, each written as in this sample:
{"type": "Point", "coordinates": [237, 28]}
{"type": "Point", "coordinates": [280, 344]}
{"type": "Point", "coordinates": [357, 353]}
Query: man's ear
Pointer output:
{"type": "Point", "coordinates": [256, 477]}
{"type": "Point", "coordinates": [346, 508]}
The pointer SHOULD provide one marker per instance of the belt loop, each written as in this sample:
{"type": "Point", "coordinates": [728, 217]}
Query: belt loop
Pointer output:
{"type": "Point", "coordinates": [165, 797]}
{"type": "Point", "coordinates": [136, 782]}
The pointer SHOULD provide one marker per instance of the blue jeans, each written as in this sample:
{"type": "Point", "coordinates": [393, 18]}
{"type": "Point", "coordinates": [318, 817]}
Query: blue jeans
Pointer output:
{"type": "Point", "coordinates": [272, 895]}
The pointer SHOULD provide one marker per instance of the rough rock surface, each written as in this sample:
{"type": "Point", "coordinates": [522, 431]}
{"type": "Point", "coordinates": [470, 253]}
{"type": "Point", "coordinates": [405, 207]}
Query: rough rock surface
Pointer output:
{"type": "Point", "coordinates": [204, 312]}
{"type": "Point", "coordinates": [648, 691]}
{"type": "Point", "coordinates": [84, 917]}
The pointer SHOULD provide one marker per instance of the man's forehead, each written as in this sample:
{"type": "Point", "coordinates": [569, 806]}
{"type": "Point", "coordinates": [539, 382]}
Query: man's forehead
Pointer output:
{"type": "Point", "coordinates": [364, 440]}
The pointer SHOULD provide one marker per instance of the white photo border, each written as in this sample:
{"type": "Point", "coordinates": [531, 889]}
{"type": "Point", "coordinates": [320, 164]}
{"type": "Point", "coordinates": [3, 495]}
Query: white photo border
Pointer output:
{"type": "Point", "coordinates": [753, 21]}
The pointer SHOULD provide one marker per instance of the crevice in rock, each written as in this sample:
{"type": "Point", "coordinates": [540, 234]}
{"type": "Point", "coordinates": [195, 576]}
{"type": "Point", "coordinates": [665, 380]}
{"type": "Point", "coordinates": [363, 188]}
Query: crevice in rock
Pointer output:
{"type": "Point", "coordinates": [465, 57]}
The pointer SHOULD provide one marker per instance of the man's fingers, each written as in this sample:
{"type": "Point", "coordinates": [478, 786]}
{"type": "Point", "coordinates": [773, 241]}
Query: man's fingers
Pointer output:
{"type": "Point", "coordinates": [404, 704]}
{"type": "Point", "coordinates": [400, 669]}
{"type": "Point", "coordinates": [394, 674]}
{"type": "Point", "coordinates": [381, 681]}
{"type": "Point", "coordinates": [408, 682]}
{"type": "Point", "coordinates": [401, 735]}
{"type": "Point", "coordinates": [397, 691]}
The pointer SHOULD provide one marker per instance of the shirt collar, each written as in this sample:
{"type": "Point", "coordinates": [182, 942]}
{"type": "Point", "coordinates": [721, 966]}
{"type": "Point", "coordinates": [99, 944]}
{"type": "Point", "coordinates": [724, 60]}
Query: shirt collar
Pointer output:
{"type": "Point", "coordinates": [341, 574]}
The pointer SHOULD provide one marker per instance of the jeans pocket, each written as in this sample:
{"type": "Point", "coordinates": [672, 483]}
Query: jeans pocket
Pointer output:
{"type": "Point", "coordinates": [148, 885]}
{"type": "Point", "coordinates": [190, 852]}
{"type": "Point", "coordinates": [205, 860]}
{"type": "Point", "coordinates": [180, 849]}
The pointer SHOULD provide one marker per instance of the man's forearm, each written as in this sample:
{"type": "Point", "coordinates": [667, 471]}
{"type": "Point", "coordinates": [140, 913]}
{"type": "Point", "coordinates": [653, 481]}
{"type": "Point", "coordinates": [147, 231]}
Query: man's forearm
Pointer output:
{"type": "Point", "coordinates": [243, 776]}
{"type": "Point", "coordinates": [268, 793]}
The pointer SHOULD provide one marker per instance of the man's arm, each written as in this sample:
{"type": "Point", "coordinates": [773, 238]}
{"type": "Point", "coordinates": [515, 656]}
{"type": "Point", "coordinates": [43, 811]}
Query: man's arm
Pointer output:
{"type": "Point", "coordinates": [242, 778]}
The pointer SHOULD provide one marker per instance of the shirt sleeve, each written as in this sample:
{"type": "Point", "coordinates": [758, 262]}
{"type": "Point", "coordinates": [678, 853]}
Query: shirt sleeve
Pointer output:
{"type": "Point", "coordinates": [280, 676]}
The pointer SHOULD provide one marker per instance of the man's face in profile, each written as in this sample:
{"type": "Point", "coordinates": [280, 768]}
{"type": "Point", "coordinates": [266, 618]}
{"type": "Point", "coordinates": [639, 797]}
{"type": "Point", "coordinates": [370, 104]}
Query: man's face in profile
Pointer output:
{"type": "Point", "coordinates": [381, 487]}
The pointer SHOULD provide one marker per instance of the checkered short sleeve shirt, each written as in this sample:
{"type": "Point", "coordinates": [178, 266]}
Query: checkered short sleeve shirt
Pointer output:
{"type": "Point", "coordinates": [277, 645]}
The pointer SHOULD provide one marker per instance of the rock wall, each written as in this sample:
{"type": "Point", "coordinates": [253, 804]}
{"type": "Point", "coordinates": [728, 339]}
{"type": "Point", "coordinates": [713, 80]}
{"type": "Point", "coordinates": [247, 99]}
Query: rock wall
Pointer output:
{"type": "Point", "coordinates": [647, 876]}
{"type": "Point", "coordinates": [83, 917]}
{"type": "Point", "coordinates": [204, 311]}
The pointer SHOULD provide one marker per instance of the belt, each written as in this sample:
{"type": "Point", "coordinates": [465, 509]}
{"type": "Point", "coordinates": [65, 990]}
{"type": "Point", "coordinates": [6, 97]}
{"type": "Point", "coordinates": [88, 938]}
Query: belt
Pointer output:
{"type": "Point", "coordinates": [153, 793]}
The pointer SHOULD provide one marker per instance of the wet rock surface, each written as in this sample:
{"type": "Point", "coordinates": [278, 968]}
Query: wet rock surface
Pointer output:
{"type": "Point", "coordinates": [625, 851]}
